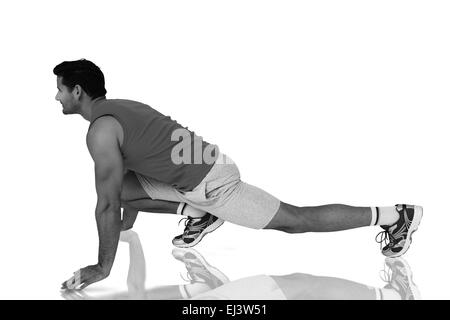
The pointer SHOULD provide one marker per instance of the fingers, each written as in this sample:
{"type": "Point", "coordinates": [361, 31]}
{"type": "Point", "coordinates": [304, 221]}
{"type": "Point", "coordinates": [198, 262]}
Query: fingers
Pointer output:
{"type": "Point", "coordinates": [83, 278]}
{"type": "Point", "coordinates": [73, 282]}
{"type": "Point", "coordinates": [68, 283]}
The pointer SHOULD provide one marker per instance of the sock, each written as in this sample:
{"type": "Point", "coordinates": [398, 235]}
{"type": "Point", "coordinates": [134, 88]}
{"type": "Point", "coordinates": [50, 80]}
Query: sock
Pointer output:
{"type": "Point", "coordinates": [378, 294]}
{"type": "Point", "coordinates": [186, 210]}
{"type": "Point", "coordinates": [181, 207]}
{"type": "Point", "coordinates": [384, 216]}
{"type": "Point", "coordinates": [375, 216]}
{"type": "Point", "coordinates": [184, 292]}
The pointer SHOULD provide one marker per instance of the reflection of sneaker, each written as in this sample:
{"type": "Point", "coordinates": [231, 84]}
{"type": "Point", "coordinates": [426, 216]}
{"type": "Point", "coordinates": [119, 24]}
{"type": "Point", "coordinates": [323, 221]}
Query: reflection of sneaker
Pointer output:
{"type": "Point", "coordinates": [196, 229]}
{"type": "Point", "coordinates": [397, 237]}
{"type": "Point", "coordinates": [399, 278]}
{"type": "Point", "coordinates": [198, 269]}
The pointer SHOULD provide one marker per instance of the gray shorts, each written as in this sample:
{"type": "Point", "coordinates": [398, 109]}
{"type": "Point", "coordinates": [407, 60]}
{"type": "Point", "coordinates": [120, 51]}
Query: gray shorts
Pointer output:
{"type": "Point", "coordinates": [221, 193]}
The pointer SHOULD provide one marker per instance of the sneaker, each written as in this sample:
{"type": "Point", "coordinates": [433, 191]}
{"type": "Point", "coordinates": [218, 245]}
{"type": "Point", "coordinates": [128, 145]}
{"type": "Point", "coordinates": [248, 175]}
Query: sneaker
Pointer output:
{"type": "Point", "coordinates": [198, 270]}
{"type": "Point", "coordinates": [397, 237]}
{"type": "Point", "coordinates": [399, 278]}
{"type": "Point", "coordinates": [196, 229]}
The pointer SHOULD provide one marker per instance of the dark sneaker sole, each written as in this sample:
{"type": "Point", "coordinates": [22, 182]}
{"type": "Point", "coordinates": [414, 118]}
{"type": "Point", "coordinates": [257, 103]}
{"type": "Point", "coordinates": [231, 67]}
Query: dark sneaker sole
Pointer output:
{"type": "Point", "coordinates": [207, 230]}
{"type": "Point", "coordinates": [418, 213]}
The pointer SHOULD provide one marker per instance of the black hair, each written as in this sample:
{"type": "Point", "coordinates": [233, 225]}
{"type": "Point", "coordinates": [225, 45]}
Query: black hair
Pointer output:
{"type": "Point", "coordinates": [83, 73]}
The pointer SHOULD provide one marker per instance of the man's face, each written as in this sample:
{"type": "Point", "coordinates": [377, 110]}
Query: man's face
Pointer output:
{"type": "Point", "coordinates": [66, 97]}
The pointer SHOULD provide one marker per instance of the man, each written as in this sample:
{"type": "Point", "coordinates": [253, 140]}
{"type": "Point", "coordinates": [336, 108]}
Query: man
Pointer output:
{"type": "Point", "coordinates": [145, 161]}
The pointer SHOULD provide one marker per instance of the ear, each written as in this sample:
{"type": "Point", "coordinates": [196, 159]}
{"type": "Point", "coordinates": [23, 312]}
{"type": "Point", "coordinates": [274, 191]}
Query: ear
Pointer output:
{"type": "Point", "coordinates": [77, 92]}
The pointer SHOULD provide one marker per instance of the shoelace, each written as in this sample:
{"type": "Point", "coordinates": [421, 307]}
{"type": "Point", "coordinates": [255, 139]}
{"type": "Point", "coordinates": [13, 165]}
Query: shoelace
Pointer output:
{"type": "Point", "coordinates": [386, 274]}
{"type": "Point", "coordinates": [192, 270]}
{"type": "Point", "coordinates": [397, 284]}
{"type": "Point", "coordinates": [199, 274]}
{"type": "Point", "coordinates": [384, 238]}
{"type": "Point", "coordinates": [398, 280]}
{"type": "Point", "coordinates": [188, 223]}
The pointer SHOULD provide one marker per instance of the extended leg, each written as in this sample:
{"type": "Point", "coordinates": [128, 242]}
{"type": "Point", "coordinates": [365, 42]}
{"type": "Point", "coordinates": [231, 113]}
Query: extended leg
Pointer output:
{"type": "Point", "coordinates": [326, 218]}
{"type": "Point", "coordinates": [398, 222]}
{"type": "Point", "coordinates": [253, 207]}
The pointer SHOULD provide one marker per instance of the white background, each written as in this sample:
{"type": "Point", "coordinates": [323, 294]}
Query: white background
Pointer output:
{"type": "Point", "coordinates": [317, 102]}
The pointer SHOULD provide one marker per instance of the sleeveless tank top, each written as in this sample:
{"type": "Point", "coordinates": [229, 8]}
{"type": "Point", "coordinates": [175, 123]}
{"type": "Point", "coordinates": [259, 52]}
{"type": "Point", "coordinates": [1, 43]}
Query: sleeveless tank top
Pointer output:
{"type": "Point", "coordinates": [156, 146]}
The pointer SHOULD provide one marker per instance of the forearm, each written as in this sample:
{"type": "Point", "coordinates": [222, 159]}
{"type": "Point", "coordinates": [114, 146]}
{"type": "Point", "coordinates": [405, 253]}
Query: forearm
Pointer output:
{"type": "Point", "coordinates": [108, 227]}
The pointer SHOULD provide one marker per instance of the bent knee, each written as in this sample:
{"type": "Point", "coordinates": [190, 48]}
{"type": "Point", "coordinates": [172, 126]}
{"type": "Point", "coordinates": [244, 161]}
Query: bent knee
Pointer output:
{"type": "Point", "coordinates": [288, 220]}
{"type": "Point", "coordinates": [132, 188]}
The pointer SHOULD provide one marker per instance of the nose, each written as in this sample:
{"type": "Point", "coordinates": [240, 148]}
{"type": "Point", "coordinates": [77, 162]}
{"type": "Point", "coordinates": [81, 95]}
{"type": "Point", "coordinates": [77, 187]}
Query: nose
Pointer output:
{"type": "Point", "coordinates": [56, 97]}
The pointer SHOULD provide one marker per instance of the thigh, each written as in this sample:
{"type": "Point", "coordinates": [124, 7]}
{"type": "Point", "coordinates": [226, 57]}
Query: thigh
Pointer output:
{"type": "Point", "coordinates": [132, 188]}
{"type": "Point", "coordinates": [157, 190]}
{"type": "Point", "coordinates": [245, 205]}
{"type": "Point", "coordinates": [253, 207]}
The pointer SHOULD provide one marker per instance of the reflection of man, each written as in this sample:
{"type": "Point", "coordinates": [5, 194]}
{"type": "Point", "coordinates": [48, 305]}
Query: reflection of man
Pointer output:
{"type": "Point", "coordinates": [203, 276]}
{"type": "Point", "coordinates": [130, 137]}
{"type": "Point", "coordinates": [208, 282]}
{"type": "Point", "coordinates": [296, 286]}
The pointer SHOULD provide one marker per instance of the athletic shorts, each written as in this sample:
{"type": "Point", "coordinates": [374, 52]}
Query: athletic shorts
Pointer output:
{"type": "Point", "coordinates": [222, 194]}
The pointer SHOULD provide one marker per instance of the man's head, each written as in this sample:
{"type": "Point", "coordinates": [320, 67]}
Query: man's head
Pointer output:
{"type": "Point", "coordinates": [78, 81]}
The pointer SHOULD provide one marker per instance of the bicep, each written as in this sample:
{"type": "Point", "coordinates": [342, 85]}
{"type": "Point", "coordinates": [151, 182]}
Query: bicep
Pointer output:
{"type": "Point", "coordinates": [105, 151]}
{"type": "Point", "coordinates": [108, 177]}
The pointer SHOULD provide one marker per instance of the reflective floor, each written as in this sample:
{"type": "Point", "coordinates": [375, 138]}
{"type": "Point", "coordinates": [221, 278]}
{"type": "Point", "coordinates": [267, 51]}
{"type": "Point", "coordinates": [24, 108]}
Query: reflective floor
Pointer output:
{"type": "Point", "coordinates": [231, 263]}
{"type": "Point", "coordinates": [201, 280]}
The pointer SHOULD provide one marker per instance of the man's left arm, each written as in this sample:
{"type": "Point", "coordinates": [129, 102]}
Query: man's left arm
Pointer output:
{"type": "Point", "coordinates": [104, 148]}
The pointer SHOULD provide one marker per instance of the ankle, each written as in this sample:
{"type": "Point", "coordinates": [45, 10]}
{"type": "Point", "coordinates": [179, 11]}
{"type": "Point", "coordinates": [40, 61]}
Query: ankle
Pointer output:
{"type": "Point", "coordinates": [384, 216]}
{"type": "Point", "coordinates": [186, 210]}
{"type": "Point", "coordinates": [388, 216]}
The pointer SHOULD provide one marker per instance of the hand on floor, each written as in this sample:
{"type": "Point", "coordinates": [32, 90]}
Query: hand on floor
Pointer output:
{"type": "Point", "coordinates": [85, 277]}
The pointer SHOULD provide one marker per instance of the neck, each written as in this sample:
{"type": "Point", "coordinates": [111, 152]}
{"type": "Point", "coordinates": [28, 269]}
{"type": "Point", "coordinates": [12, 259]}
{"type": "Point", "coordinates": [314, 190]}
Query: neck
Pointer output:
{"type": "Point", "coordinates": [86, 107]}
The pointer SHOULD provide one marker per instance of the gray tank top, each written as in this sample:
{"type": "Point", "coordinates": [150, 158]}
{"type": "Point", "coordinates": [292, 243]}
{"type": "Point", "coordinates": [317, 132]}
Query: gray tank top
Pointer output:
{"type": "Point", "coordinates": [148, 144]}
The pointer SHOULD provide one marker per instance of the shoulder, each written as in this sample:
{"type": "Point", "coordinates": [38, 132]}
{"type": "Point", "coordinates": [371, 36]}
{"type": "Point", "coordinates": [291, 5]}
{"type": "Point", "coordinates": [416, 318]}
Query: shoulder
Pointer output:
{"type": "Point", "coordinates": [105, 128]}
